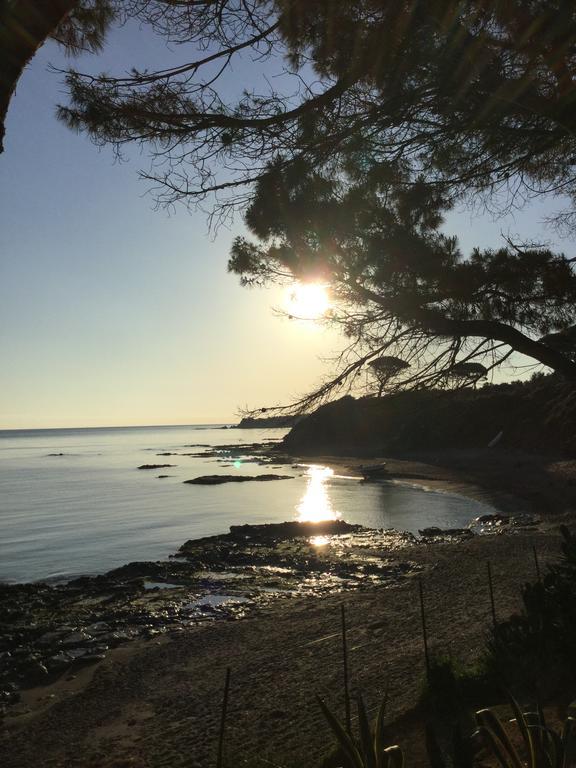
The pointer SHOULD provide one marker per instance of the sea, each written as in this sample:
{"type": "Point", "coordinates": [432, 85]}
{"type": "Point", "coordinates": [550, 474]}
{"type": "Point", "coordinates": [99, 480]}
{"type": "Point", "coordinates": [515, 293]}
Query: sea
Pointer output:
{"type": "Point", "coordinates": [73, 501]}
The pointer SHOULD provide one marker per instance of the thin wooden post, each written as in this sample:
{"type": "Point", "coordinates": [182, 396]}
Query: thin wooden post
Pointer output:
{"type": "Point", "coordinates": [424, 631]}
{"type": "Point", "coordinates": [537, 564]}
{"type": "Point", "coordinates": [345, 663]}
{"type": "Point", "coordinates": [491, 590]}
{"type": "Point", "coordinates": [220, 758]}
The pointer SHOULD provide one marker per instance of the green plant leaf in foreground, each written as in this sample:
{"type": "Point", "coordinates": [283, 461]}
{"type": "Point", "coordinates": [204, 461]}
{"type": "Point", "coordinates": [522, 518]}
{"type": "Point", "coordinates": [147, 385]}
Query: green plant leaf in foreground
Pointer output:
{"type": "Point", "coordinates": [344, 740]}
{"type": "Point", "coordinates": [370, 752]}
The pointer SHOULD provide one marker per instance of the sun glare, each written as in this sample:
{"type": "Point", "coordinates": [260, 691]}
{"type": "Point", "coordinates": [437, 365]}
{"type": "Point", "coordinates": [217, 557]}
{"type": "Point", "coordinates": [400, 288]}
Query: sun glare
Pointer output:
{"type": "Point", "coordinates": [307, 301]}
{"type": "Point", "coordinates": [315, 506]}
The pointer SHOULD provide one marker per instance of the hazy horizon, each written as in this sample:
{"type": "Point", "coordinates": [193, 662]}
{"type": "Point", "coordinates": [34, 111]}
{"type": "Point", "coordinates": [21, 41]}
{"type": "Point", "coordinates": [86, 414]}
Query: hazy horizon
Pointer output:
{"type": "Point", "coordinates": [198, 423]}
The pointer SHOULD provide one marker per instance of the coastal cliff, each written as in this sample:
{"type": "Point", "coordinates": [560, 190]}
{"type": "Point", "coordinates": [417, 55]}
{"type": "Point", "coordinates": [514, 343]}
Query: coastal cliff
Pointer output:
{"type": "Point", "coordinates": [537, 416]}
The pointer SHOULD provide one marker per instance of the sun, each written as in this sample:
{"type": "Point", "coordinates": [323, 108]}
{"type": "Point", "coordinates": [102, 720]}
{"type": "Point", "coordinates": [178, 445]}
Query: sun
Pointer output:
{"type": "Point", "coordinates": [307, 301]}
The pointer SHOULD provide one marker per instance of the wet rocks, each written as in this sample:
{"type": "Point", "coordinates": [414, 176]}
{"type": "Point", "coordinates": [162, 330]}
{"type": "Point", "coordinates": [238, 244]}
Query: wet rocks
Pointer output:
{"type": "Point", "coordinates": [496, 519]}
{"type": "Point", "coordinates": [47, 631]}
{"type": "Point", "coordinates": [219, 479]}
{"type": "Point", "coordinates": [306, 558]}
{"type": "Point", "coordinates": [293, 529]}
{"type": "Point", "coordinates": [498, 522]}
{"type": "Point", "coordinates": [435, 532]}
{"type": "Point", "coordinates": [75, 639]}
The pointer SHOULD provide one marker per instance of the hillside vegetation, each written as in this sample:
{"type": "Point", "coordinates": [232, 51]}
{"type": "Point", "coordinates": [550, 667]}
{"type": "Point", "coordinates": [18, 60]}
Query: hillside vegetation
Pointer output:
{"type": "Point", "coordinates": [537, 416]}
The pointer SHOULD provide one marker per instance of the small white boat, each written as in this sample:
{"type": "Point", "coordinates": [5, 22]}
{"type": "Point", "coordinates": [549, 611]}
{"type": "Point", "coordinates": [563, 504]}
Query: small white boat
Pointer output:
{"type": "Point", "coordinates": [373, 471]}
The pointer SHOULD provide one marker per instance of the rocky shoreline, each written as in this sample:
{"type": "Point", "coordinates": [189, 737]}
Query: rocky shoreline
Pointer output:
{"type": "Point", "coordinates": [47, 631]}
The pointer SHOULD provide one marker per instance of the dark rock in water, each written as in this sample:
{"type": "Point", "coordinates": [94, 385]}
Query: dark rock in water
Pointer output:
{"type": "Point", "coordinates": [219, 479]}
{"type": "Point", "coordinates": [137, 570]}
{"type": "Point", "coordinates": [293, 529]}
{"type": "Point", "coordinates": [435, 531]}
{"type": "Point", "coordinates": [496, 519]}
{"type": "Point", "coordinates": [155, 466]}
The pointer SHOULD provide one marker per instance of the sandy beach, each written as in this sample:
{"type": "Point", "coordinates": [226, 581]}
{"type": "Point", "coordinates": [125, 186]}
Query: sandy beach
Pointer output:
{"type": "Point", "coordinates": [157, 702]}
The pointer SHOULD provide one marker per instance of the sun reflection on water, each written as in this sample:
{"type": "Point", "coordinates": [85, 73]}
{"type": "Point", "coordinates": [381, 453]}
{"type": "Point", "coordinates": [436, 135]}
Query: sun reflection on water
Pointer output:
{"type": "Point", "coordinates": [315, 506]}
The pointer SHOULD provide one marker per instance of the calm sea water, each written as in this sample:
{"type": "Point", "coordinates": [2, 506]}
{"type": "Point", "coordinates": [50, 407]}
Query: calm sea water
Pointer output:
{"type": "Point", "coordinates": [91, 509]}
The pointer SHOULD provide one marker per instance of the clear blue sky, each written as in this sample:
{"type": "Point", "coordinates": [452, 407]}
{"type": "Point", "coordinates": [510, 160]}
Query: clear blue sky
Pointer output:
{"type": "Point", "coordinates": [114, 313]}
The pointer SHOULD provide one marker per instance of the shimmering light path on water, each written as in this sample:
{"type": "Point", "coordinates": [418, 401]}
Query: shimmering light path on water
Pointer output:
{"type": "Point", "coordinates": [90, 509]}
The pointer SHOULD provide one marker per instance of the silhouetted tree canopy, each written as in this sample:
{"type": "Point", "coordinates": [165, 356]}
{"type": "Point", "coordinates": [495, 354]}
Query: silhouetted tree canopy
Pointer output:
{"type": "Point", "coordinates": [385, 368]}
{"type": "Point", "coordinates": [466, 372]}
{"type": "Point", "coordinates": [476, 96]}
{"type": "Point", "coordinates": [344, 131]}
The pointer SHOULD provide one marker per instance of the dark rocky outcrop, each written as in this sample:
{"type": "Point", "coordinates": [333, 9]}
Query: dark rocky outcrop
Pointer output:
{"type": "Point", "coordinates": [155, 466]}
{"type": "Point", "coordinates": [537, 416]}
{"type": "Point", "coordinates": [292, 529]}
{"type": "Point", "coordinates": [251, 422]}
{"type": "Point", "coordinates": [219, 479]}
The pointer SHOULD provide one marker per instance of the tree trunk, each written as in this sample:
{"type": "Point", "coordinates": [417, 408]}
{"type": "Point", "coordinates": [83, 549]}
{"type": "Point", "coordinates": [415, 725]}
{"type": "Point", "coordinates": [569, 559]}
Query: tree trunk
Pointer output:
{"type": "Point", "coordinates": [25, 26]}
{"type": "Point", "coordinates": [436, 324]}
